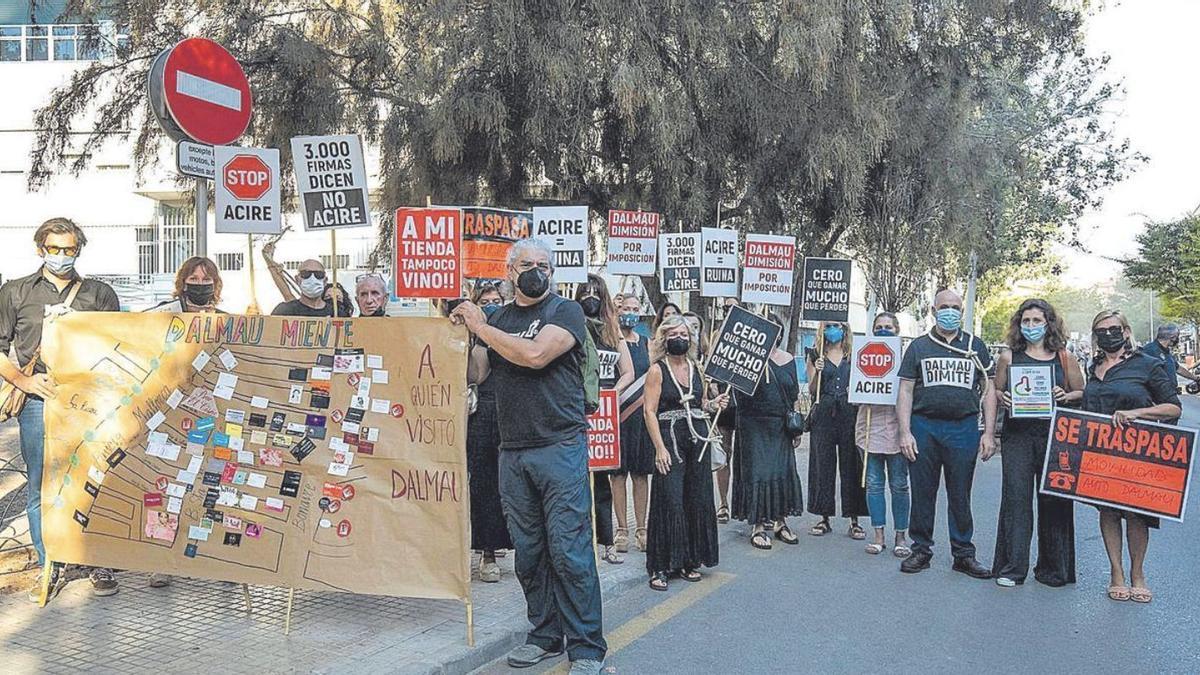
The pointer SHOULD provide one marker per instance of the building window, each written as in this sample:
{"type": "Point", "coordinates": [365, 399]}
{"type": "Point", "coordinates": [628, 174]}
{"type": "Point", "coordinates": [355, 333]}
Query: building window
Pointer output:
{"type": "Point", "coordinates": [10, 43]}
{"type": "Point", "coordinates": [229, 262]}
{"type": "Point", "coordinates": [63, 42]}
{"type": "Point", "coordinates": [178, 235]}
{"type": "Point", "coordinates": [343, 261]}
{"type": "Point", "coordinates": [37, 48]}
{"type": "Point", "coordinates": [147, 245]}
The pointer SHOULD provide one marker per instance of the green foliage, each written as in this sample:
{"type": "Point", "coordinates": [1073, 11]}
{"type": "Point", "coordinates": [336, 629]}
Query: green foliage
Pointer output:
{"type": "Point", "coordinates": [1168, 262]}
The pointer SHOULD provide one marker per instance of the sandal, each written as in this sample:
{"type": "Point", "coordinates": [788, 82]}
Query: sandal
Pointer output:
{"type": "Point", "coordinates": [658, 581]}
{"type": "Point", "coordinates": [820, 529]}
{"type": "Point", "coordinates": [901, 551]}
{"type": "Point", "coordinates": [690, 575]}
{"type": "Point", "coordinates": [621, 540]}
{"type": "Point", "coordinates": [1118, 593]}
{"type": "Point", "coordinates": [875, 549]}
{"type": "Point", "coordinates": [723, 515]}
{"type": "Point", "coordinates": [784, 533]}
{"type": "Point", "coordinates": [760, 540]}
{"type": "Point", "coordinates": [1140, 594]}
{"type": "Point", "coordinates": [639, 538]}
{"type": "Point", "coordinates": [856, 532]}
{"type": "Point", "coordinates": [611, 556]}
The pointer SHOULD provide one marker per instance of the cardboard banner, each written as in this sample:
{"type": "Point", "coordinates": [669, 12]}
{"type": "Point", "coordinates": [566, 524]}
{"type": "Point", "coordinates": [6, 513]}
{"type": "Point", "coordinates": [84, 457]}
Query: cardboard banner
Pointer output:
{"type": "Point", "coordinates": [720, 263]}
{"type": "Point", "coordinates": [826, 291]}
{"type": "Point", "coordinates": [487, 235]}
{"type": "Point", "coordinates": [427, 262]}
{"type": "Point", "coordinates": [679, 262]}
{"type": "Point", "coordinates": [769, 270]}
{"type": "Point", "coordinates": [1032, 390]}
{"type": "Point", "coordinates": [1145, 467]}
{"type": "Point", "coordinates": [246, 199]}
{"type": "Point", "coordinates": [632, 236]}
{"type": "Point", "coordinates": [316, 453]}
{"type": "Point", "coordinates": [331, 181]}
{"type": "Point", "coordinates": [604, 434]}
{"type": "Point", "coordinates": [875, 370]}
{"type": "Point", "coordinates": [739, 356]}
{"type": "Point", "coordinates": [565, 228]}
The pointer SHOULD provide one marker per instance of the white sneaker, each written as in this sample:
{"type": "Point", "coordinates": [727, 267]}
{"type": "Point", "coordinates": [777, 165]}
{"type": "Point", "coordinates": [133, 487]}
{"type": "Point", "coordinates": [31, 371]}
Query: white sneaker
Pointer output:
{"type": "Point", "coordinates": [159, 580]}
{"type": "Point", "coordinates": [489, 571]}
{"type": "Point", "coordinates": [1005, 582]}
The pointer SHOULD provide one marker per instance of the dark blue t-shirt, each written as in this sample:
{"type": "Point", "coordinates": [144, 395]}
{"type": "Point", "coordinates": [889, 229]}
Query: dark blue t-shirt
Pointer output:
{"type": "Point", "coordinates": [539, 407]}
{"type": "Point", "coordinates": [947, 383]}
{"type": "Point", "coordinates": [1155, 349]}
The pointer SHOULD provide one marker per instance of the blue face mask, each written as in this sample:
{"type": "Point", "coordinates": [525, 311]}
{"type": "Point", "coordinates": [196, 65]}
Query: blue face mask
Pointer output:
{"type": "Point", "coordinates": [884, 332]}
{"type": "Point", "coordinates": [491, 309]}
{"type": "Point", "coordinates": [949, 318]}
{"type": "Point", "coordinates": [629, 320]}
{"type": "Point", "coordinates": [834, 334]}
{"type": "Point", "coordinates": [1034, 334]}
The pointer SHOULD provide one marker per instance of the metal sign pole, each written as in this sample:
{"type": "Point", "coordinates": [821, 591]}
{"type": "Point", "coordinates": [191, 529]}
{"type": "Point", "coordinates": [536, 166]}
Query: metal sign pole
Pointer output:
{"type": "Point", "coordinates": [201, 217]}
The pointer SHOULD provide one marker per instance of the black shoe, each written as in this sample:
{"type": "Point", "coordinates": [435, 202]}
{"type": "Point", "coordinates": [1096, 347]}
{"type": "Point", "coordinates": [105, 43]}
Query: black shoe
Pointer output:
{"type": "Point", "coordinates": [971, 567]}
{"type": "Point", "coordinates": [915, 562]}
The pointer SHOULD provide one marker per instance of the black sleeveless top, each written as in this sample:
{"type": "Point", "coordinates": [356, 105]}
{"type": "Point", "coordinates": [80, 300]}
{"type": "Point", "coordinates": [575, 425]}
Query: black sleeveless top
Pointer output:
{"type": "Point", "coordinates": [1028, 425]}
{"type": "Point", "coordinates": [669, 399]}
{"type": "Point", "coordinates": [640, 353]}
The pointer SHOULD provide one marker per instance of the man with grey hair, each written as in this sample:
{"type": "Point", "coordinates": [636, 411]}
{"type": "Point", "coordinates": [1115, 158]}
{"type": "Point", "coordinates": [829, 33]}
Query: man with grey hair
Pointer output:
{"type": "Point", "coordinates": [534, 355]}
{"type": "Point", "coordinates": [371, 293]}
{"type": "Point", "coordinates": [1162, 348]}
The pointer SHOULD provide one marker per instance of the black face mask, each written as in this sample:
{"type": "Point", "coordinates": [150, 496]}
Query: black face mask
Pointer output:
{"type": "Point", "coordinates": [199, 295]}
{"type": "Point", "coordinates": [533, 282]}
{"type": "Point", "coordinates": [678, 346]}
{"type": "Point", "coordinates": [1110, 343]}
{"type": "Point", "coordinates": [591, 306]}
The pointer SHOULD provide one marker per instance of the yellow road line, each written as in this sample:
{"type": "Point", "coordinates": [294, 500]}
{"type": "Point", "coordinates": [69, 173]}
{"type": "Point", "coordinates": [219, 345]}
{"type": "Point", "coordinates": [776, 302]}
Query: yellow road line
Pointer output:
{"type": "Point", "coordinates": [637, 627]}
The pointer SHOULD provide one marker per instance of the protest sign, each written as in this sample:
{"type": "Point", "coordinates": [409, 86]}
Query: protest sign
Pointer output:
{"type": "Point", "coordinates": [739, 356]}
{"type": "Point", "coordinates": [825, 295]}
{"type": "Point", "coordinates": [604, 434]}
{"type": "Point", "coordinates": [427, 261]}
{"type": "Point", "coordinates": [769, 269]}
{"type": "Point", "coordinates": [487, 235]}
{"type": "Point", "coordinates": [632, 236]}
{"type": "Point", "coordinates": [1144, 467]}
{"type": "Point", "coordinates": [565, 228]}
{"type": "Point", "coordinates": [1032, 390]}
{"type": "Point", "coordinates": [247, 190]}
{"type": "Point", "coordinates": [331, 181]}
{"type": "Point", "coordinates": [875, 370]}
{"type": "Point", "coordinates": [679, 262]}
{"type": "Point", "coordinates": [720, 263]}
{"type": "Point", "coordinates": [315, 453]}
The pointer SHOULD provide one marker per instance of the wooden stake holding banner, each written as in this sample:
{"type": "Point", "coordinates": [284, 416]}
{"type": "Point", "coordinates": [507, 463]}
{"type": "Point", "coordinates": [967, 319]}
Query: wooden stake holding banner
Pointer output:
{"type": "Point", "coordinates": [333, 266]}
{"type": "Point", "coordinates": [253, 308]}
{"type": "Point", "coordinates": [866, 449]}
{"type": "Point", "coordinates": [287, 618]}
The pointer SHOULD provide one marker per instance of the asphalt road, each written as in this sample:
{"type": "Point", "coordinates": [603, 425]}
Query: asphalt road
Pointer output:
{"type": "Point", "coordinates": [826, 606]}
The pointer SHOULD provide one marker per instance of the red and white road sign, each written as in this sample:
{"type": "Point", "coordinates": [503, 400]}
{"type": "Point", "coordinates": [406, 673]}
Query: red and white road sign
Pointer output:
{"type": "Point", "coordinates": [874, 375]}
{"type": "Point", "coordinates": [247, 177]}
{"type": "Point", "coordinates": [205, 91]}
{"type": "Point", "coordinates": [247, 190]}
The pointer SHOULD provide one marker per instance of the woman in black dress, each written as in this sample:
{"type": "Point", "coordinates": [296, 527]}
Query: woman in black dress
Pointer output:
{"type": "Point", "coordinates": [1036, 337]}
{"type": "Point", "coordinates": [833, 453]}
{"type": "Point", "coordinates": [682, 532]}
{"type": "Point", "coordinates": [1129, 385]}
{"type": "Point", "coordinates": [766, 487]}
{"type": "Point", "coordinates": [489, 533]}
{"type": "Point", "coordinates": [637, 452]}
{"type": "Point", "coordinates": [616, 372]}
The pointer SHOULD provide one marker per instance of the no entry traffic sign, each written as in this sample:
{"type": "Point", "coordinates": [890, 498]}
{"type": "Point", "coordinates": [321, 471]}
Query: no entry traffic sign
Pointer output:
{"type": "Point", "coordinates": [200, 92]}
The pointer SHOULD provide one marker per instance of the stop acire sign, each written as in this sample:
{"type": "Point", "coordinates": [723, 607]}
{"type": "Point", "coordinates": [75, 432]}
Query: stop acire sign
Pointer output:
{"type": "Point", "coordinates": [246, 177]}
{"type": "Point", "coordinates": [876, 359]}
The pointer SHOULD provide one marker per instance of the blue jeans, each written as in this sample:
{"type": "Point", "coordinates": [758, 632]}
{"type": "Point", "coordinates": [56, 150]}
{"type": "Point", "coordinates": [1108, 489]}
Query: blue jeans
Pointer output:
{"type": "Point", "coordinates": [949, 447]}
{"type": "Point", "coordinates": [896, 468]}
{"type": "Point", "coordinates": [548, 505]}
{"type": "Point", "coordinates": [33, 451]}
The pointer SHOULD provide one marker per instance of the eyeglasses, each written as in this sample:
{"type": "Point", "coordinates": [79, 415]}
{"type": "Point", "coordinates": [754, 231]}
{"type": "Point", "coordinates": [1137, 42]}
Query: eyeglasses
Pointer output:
{"type": "Point", "coordinates": [1111, 330]}
{"type": "Point", "coordinates": [526, 265]}
{"type": "Point", "coordinates": [305, 274]}
{"type": "Point", "coordinates": [59, 250]}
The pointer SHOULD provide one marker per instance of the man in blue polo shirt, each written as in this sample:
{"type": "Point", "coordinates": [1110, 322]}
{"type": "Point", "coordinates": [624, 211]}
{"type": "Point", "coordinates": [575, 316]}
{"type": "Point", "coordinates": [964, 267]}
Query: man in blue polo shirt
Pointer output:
{"type": "Point", "coordinates": [943, 376]}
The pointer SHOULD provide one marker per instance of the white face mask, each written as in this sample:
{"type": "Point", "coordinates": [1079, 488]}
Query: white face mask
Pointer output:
{"type": "Point", "coordinates": [312, 287]}
{"type": "Point", "coordinates": [59, 264]}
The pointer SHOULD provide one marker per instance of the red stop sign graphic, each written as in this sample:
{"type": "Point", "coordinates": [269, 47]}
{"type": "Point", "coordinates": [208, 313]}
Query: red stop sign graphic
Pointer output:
{"type": "Point", "coordinates": [246, 177]}
{"type": "Point", "coordinates": [876, 359]}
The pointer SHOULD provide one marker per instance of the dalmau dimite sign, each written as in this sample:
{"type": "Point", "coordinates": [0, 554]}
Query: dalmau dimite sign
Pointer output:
{"type": "Point", "coordinates": [331, 180]}
{"type": "Point", "coordinates": [247, 190]}
{"type": "Point", "coordinates": [875, 370]}
{"type": "Point", "coordinates": [1143, 467]}
{"type": "Point", "coordinates": [632, 236]}
{"type": "Point", "coordinates": [604, 433]}
{"type": "Point", "coordinates": [679, 258]}
{"type": "Point", "coordinates": [565, 228]}
{"type": "Point", "coordinates": [769, 270]}
{"type": "Point", "coordinates": [428, 260]}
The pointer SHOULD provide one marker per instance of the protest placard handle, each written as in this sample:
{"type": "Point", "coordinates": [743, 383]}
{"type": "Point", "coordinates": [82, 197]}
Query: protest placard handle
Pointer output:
{"type": "Point", "coordinates": [246, 595]}
{"type": "Point", "coordinates": [253, 308]}
{"type": "Point", "coordinates": [333, 266]}
{"type": "Point", "coordinates": [820, 354]}
{"type": "Point", "coordinates": [866, 449]}
{"type": "Point", "coordinates": [470, 622]}
{"type": "Point", "coordinates": [287, 619]}
{"type": "Point", "coordinates": [46, 571]}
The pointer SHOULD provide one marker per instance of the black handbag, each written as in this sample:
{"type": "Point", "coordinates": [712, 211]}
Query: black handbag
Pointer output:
{"type": "Point", "coordinates": [795, 423]}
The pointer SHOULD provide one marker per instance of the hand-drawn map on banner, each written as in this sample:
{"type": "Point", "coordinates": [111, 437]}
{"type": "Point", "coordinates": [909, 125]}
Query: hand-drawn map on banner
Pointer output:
{"type": "Point", "coordinates": [317, 453]}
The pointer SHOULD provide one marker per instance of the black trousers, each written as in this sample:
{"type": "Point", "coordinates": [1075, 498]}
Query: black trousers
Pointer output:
{"type": "Point", "coordinates": [1022, 455]}
{"type": "Point", "coordinates": [833, 455]}
{"type": "Point", "coordinates": [602, 499]}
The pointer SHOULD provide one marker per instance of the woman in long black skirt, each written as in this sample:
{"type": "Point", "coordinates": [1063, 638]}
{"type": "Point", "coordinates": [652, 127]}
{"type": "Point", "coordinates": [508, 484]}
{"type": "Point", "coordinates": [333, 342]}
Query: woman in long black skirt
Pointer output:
{"type": "Point", "coordinates": [489, 533]}
{"type": "Point", "coordinates": [682, 532]}
{"type": "Point", "coordinates": [833, 455]}
{"type": "Point", "coordinates": [766, 487]}
{"type": "Point", "coordinates": [637, 452]}
{"type": "Point", "coordinates": [1036, 337]}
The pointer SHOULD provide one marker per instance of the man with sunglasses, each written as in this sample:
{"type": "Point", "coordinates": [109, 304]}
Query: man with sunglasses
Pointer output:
{"type": "Point", "coordinates": [311, 279]}
{"type": "Point", "coordinates": [23, 304]}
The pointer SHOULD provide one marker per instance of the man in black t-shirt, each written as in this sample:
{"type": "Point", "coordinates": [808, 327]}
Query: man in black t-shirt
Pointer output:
{"type": "Point", "coordinates": [315, 294]}
{"type": "Point", "coordinates": [534, 357]}
{"type": "Point", "coordinates": [943, 376]}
